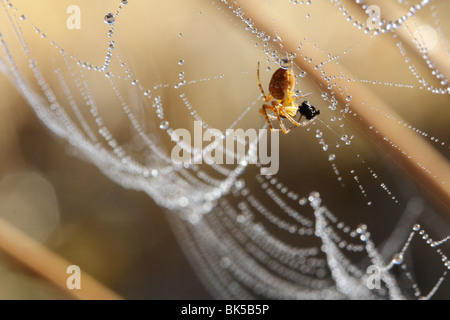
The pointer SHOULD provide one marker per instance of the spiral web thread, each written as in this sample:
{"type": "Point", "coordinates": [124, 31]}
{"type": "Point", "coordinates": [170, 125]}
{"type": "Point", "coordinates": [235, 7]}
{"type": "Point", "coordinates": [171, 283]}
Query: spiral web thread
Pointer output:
{"type": "Point", "coordinates": [220, 222]}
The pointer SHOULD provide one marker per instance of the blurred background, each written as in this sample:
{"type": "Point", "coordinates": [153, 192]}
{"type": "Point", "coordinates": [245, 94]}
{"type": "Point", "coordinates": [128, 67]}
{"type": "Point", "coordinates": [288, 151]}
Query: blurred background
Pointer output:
{"type": "Point", "coordinates": [121, 237]}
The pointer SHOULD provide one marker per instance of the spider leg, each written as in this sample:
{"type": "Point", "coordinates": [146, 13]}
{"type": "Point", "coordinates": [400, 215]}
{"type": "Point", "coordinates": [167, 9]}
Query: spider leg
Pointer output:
{"type": "Point", "coordinates": [274, 109]}
{"type": "Point", "coordinates": [281, 123]}
{"type": "Point", "coordinates": [266, 98]}
{"type": "Point", "coordinates": [271, 108]}
{"type": "Point", "coordinates": [263, 110]}
{"type": "Point", "coordinates": [302, 96]}
{"type": "Point", "coordinates": [291, 119]}
{"type": "Point", "coordinates": [296, 123]}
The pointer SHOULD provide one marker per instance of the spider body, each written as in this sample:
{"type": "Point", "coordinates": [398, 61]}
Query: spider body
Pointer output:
{"type": "Point", "coordinates": [281, 91]}
{"type": "Point", "coordinates": [282, 82]}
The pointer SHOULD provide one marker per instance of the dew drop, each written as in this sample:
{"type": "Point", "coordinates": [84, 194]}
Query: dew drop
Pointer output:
{"type": "Point", "coordinates": [181, 62]}
{"type": "Point", "coordinates": [397, 259]}
{"type": "Point", "coordinates": [331, 157]}
{"type": "Point", "coordinates": [109, 18]}
{"type": "Point", "coordinates": [364, 237]}
{"type": "Point", "coordinates": [303, 201]}
{"type": "Point", "coordinates": [360, 229]}
{"type": "Point", "coordinates": [284, 63]}
{"type": "Point", "coordinates": [164, 125]}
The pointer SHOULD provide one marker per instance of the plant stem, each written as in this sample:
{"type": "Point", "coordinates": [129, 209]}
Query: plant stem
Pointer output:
{"type": "Point", "coordinates": [28, 252]}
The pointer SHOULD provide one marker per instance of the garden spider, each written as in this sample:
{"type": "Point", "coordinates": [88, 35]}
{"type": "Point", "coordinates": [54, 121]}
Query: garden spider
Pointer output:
{"type": "Point", "coordinates": [281, 89]}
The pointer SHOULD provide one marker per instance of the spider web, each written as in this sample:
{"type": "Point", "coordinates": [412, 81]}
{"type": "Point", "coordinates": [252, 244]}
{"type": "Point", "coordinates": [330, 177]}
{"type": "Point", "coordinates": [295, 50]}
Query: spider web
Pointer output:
{"type": "Point", "coordinates": [248, 235]}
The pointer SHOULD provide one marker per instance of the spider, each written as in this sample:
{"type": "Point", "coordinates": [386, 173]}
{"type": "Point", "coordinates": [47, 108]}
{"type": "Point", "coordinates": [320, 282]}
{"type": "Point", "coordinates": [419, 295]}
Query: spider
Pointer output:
{"type": "Point", "coordinates": [281, 90]}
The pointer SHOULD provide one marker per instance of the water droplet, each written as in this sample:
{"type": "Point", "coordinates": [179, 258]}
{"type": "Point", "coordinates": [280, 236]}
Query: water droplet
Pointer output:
{"type": "Point", "coordinates": [360, 229]}
{"type": "Point", "coordinates": [181, 62]}
{"type": "Point", "coordinates": [124, 2]}
{"type": "Point", "coordinates": [397, 259]}
{"type": "Point", "coordinates": [416, 227]}
{"type": "Point", "coordinates": [240, 184]}
{"type": "Point", "coordinates": [164, 125]}
{"type": "Point", "coordinates": [344, 137]}
{"type": "Point", "coordinates": [23, 17]}
{"type": "Point", "coordinates": [109, 18]}
{"type": "Point", "coordinates": [348, 98]}
{"type": "Point", "coordinates": [183, 202]}
{"type": "Point", "coordinates": [194, 218]}
{"type": "Point", "coordinates": [331, 157]}
{"type": "Point", "coordinates": [284, 63]}
{"type": "Point", "coordinates": [364, 237]}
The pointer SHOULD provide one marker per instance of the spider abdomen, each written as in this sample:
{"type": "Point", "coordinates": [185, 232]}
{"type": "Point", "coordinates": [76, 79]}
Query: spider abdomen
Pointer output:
{"type": "Point", "coordinates": [281, 83]}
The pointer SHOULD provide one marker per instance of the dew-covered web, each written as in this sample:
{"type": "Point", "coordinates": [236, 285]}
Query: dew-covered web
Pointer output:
{"type": "Point", "coordinates": [339, 219]}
